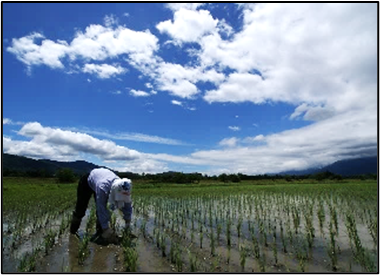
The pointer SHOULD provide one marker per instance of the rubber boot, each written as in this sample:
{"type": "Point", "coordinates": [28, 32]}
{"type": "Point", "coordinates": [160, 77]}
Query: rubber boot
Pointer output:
{"type": "Point", "coordinates": [75, 224]}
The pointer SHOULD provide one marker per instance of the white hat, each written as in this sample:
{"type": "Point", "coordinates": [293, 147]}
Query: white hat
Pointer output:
{"type": "Point", "coordinates": [121, 192]}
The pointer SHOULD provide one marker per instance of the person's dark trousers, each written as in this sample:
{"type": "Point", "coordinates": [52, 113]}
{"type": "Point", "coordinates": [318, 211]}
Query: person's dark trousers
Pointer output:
{"type": "Point", "coordinates": [84, 193]}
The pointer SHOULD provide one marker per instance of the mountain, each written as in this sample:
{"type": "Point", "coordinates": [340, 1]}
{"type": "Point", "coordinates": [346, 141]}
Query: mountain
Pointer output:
{"type": "Point", "coordinates": [19, 164]}
{"type": "Point", "coordinates": [348, 167]}
{"type": "Point", "coordinates": [351, 167]}
{"type": "Point", "coordinates": [13, 163]}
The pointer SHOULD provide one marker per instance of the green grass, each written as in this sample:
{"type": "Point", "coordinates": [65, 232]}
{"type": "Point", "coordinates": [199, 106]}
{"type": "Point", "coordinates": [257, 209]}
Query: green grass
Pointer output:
{"type": "Point", "coordinates": [36, 194]}
{"type": "Point", "coordinates": [43, 194]}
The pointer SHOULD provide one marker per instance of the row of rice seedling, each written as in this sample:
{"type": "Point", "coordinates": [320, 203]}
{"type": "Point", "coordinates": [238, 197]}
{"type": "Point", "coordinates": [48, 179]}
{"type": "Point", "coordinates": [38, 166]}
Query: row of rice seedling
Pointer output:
{"type": "Point", "coordinates": [282, 221]}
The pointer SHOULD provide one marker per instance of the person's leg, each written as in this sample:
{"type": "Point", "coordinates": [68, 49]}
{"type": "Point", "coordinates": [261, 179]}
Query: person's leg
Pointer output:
{"type": "Point", "coordinates": [84, 193]}
{"type": "Point", "coordinates": [99, 229]}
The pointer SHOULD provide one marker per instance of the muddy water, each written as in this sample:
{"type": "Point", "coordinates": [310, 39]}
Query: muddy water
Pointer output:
{"type": "Point", "coordinates": [63, 257]}
{"type": "Point", "coordinates": [319, 261]}
{"type": "Point", "coordinates": [103, 259]}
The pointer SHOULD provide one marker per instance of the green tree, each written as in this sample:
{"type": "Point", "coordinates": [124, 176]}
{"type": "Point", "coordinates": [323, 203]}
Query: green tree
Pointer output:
{"type": "Point", "coordinates": [65, 175]}
{"type": "Point", "coordinates": [223, 177]}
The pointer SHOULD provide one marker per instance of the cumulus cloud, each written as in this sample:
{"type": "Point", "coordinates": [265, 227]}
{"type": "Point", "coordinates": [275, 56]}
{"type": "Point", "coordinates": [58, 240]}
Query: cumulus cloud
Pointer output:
{"type": "Point", "coordinates": [276, 58]}
{"type": "Point", "coordinates": [181, 88]}
{"type": "Point", "coordinates": [228, 142]}
{"type": "Point", "coordinates": [144, 165]}
{"type": "Point", "coordinates": [258, 138]}
{"type": "Point", "coordinates": [188, 6]}
{"type": "Point", "coordinates": [69, 145]}
{"type": "Point", "coordinates": [37, 150]}
{"type": "Point", "coordinates": [188, 25]}
{"type": "Point", "coordinates": [137, 93]}
{"type": "Point", "coordinates": [314, 113]}
{"type": "Point", "coordinates": [319, 144]}
{"type": "Point", "coordinates": [324, 64]}
{"type": "Point", "coordinates": [322, 143]}
{"type": "Point", "coordinates": [104, 70]}
{"type": "Point", "coordinates": [181, 80]}
{"type": "Point", "coordinates": [73, 142]}
{"type": "Point", "coordinates": [96, 43]}
{"type": "Point", "coordinates": [47, 52]}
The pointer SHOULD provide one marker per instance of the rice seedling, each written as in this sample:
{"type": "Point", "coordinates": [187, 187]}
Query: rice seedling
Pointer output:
{"type": "Point", "coordinates": [243, 255]}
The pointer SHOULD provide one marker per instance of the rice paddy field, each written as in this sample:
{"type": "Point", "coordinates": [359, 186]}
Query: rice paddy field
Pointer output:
{"type": "Point", "coordinates": [266, 226]}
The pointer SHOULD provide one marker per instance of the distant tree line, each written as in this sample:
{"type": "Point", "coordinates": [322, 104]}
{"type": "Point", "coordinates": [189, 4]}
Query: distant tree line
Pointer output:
{"type": "Point", "coordinates": [33, 173]}
{"type": "Point", "coordinates": [67, 175]}
{"type": "Point", "coordinates": [179, 177]}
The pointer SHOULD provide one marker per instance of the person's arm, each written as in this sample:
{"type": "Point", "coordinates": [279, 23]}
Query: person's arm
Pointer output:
{"type": "Point", "coordinates": [127, 213]}
{"type": "Point", "coordinates": [101, 208]}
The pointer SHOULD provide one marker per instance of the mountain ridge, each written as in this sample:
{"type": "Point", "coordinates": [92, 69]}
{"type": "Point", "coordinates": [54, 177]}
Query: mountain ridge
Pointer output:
{"type": "Point", "coordinates": [348, 167]}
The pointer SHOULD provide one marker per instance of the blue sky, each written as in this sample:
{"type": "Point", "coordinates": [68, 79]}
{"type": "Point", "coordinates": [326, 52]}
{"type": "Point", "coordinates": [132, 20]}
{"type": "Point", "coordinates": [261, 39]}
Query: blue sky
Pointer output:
{"type": "Point", "coordinates": [213, 88]}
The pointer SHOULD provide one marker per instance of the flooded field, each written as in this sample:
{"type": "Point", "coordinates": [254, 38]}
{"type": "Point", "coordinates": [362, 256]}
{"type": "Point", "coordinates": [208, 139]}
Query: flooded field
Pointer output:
{"type": "Point", "coordinates": [324, 227]}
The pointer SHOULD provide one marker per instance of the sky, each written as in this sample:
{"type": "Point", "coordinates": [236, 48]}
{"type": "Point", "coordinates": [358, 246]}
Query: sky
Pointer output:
{"type": "Point", "coordinates": [191, 87]}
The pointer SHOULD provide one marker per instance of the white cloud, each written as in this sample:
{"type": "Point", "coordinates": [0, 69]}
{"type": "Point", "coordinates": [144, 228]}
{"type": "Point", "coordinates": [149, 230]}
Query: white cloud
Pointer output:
{"type": "Point", "coordinates": [97, 42]}
{"type": "Point", "coordinates": [223, 27]}
{"type": "Point", "coordinates": [234, 141]}
{"type": "Point", "coordinates": [37, 150]}
{"type": "Point", "coordinates": [188, 25]}
{"type": "Point", "coordinates": [136, 93]}
{"type": "Point", "coordinates": [110, 20]}
{"type": "Point", "coordinates": [258, 138]}
{"type": "Point", "coordinates": [67, 145]}
{"type": "Point", "coordinates": [342, 136]}
{"type": "Point", "coordinates": [72, 142]}
{"type": "Point", "coordinates": [139, 137]}
{"type": "Point", "coordinates": [331, 69]}
{"type": "Point", "coordinates": [188, 6]}
{"type": "Point", "coordinates": [328, 74]}
{"type": "Point", "coordinates": [314, 113]}
{"type": "Point", "coordinates": [240, 87]}
{"type": "Point", "coordinates": [104, 70]}
{"type": "Point", "coordinates": [181, 88]}
{"type": "Point", "coordinates": [30, 53]}
{"type": "Point", "coordinates": [319, 144]}
{"type": "Point", "coordinates": [176, 102]}
{"type": "Point", "coordinates": [140, 166]}
{"type": "Point", "coordinates": [234, 128]}
{"type": "Point", "coordinates": [230, 142]}
{"type": "Point", "coordinates": [180, 80]}
{"type": "Point", "coordinates": [8, 121]}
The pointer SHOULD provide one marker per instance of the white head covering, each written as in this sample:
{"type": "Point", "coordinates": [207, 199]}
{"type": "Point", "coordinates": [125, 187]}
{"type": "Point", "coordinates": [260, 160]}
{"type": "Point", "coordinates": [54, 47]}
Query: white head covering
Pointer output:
{"type": "Point", "coordinates": [120, 193]}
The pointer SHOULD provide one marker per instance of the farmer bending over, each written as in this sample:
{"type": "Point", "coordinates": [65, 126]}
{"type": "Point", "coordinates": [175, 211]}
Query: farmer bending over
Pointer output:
{"type": "Point", "coordinates": [106, 186]}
